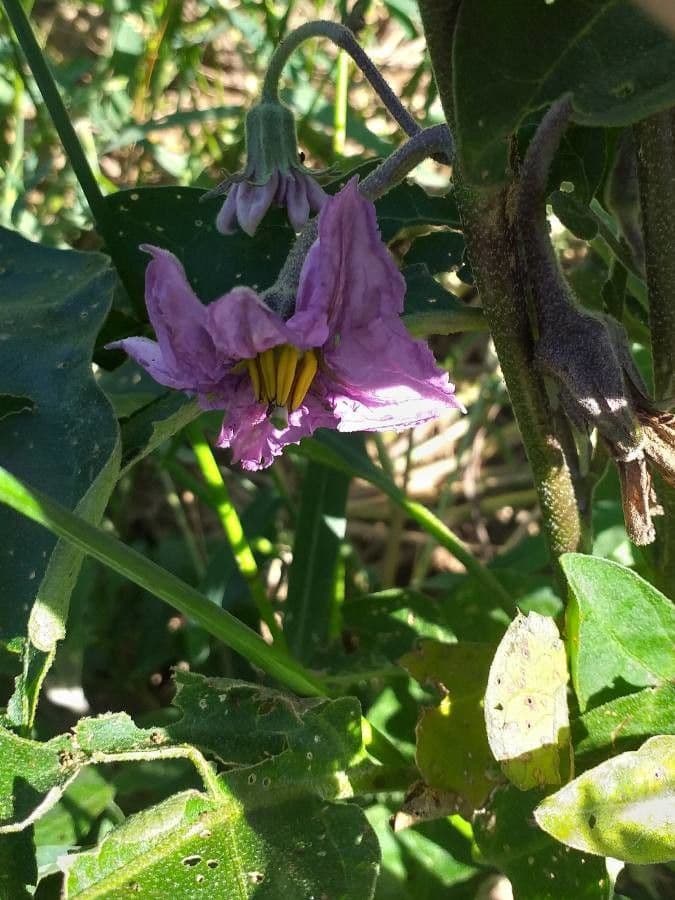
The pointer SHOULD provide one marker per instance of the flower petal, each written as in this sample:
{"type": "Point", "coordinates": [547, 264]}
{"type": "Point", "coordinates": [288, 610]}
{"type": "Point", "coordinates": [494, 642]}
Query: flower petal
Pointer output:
{"type": "Point", "coordinates": [349, 276]}
{"type": "Point", "coordinates": [226, 220]}
{"type": "Point", "coordinates": [315, 193]}
{"type": "Point", "coordinates": [148, 354]}
{"type": "Point", "coordinates": [380, 378]}
{"type": "Point", "coordinates": [242, 326]}
{"type": "Point", "coordinates": [297, 204]}
{"type": "Point", "coordinates": [253, 201]}
{"type": "Point", "coordinates": [255, 442]}
{"type": "Point", "coordinates": [185, 356]}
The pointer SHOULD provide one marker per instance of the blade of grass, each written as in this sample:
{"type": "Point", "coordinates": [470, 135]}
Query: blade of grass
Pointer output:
{"type": "Point", "coordinates": [229, 519]}
{"type": "Point", "coordinates": [148, 575]}
{"type": "Point", "coordinates": [336, 450]}
{"type": "Point", "coordinates": [158, 581]}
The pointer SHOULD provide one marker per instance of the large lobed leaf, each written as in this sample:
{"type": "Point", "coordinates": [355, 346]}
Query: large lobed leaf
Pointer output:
{"type": "Point", "coordinates": [65, 438]}
{"type": "Point", "coordinates": [267, 826]}
{"type": "Point", "coordinates": [618, 64]}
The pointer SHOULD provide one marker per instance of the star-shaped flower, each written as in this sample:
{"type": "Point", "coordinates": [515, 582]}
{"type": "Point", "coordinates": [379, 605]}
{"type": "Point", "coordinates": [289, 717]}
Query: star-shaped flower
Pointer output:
{"type": "Point", "coordinates": [343, 359]}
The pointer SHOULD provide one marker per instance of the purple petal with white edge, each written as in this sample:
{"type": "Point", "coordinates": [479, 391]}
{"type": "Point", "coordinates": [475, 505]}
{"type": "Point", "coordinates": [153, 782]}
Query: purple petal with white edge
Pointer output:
{"type": "Point", "coordinates": [242, 326]}
{"type": "Point", "coordinates": [297, 204]}
{"type": "Point", "coordinates": [185, 356]}
{"type": "Point", "coordinates": [148, 354]}
{"type": "Point", "coordinates": [381, 378]}
{"type": "Point", "coordinates": [253, 201]}
{"type": "Point", "coordinates": [226, 220]}
{"type": "Point", "coordinates": [255, 442]}
{"type": "Point", "coordinates": [354, 277]}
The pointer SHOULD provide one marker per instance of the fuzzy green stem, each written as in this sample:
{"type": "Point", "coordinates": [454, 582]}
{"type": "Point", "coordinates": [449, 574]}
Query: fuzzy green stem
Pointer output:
{"type": "Point", "coordinates": [655, 138]}
{"type": "Point", "coordinates": [344, 38]}
{"type": "Point", "coordinates": [232, 527]}
{"type": "Point", "coordinates": [492, 245]}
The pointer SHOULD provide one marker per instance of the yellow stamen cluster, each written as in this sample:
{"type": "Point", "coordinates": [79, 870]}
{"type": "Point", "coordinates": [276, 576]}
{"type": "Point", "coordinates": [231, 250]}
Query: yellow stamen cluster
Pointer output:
{"type": "Point", "coordinates": [283, 375]}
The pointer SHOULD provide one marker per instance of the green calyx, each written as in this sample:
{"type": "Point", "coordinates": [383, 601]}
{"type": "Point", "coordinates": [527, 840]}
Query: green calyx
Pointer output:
{"type": "Point", "coordinates": [271, 141]}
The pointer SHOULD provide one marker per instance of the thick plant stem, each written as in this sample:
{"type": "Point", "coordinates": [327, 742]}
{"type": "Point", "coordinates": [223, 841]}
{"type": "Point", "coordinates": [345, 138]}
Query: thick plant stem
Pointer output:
{"type": "Point", "coordinates": [344, 38]}
{"type": "Point", "coordinates": [492, 246]}
{"type": "Point", "coordinates": [656, 171]}
{"type": "Point", "coordinates": [655, 140]}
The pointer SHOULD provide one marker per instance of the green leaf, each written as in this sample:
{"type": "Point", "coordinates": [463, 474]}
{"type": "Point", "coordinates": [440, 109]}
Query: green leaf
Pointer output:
{"type": "Point", "coordinates": [244, 724]}
{"type": "Point", "coordinates": [266, 825]}
{"type": "Point", "coordinates": [622, 808]}
{"type": "Point", "coordinates": [12, 405]}
{"type": "Point", "coordinates": [537, 866]}
{"type": "Point", "coordinates": [17, 865]}
{"type": "Point", "coordinates": [54, 302]}
{"type": "Point", "coordinates": [575, 215]}
{"type": "Point", "coordinates": [624, 723]}
{"type": "Point", "coordinates": [581, 160]}
{"type": "Point", "coordinates": [440, 251]}
{"type": "Point", "coordinates": [526, 704]}
{"type": "Point", "coordinates": [71, 821]}
{"type": "Point", "coordinates": [192, 846]}
{"type": "Point", "coordinates": [409, 205]}
{"type": "Point", "coordinates": [153, 424]}
{"type": "Point", "coordinates": [430, 309]}
{"type": "Point", "coordinates": [533, 53]}
{"type": "Point", "coordinates": [384, 626]}
{"type": "Point", "coordinates": [32, 774]}
{"type": "Point", "coordinates": [452, 747]}
{"type": "Point", "coordinates": [421, 863]}
{"type": "Point", "coordinates": [620, 630]}
{"type": "Point", "coordinates": [313, 590]}
{"type": "Point", "coordinates": [175, 219]}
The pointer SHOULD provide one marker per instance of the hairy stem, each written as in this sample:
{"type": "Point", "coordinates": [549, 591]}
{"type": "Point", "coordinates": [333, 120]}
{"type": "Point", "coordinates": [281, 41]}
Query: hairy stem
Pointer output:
{"type": "Point", "coordinates": [492, 245]}
{"type": "Point", "coordinates": [344, 38]}
{"type": "Point", "coordinates": [655, 138]}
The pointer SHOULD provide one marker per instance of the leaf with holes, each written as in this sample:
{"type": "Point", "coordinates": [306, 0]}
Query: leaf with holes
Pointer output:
{"type": "Point", "coordinates": [621, 630]}
{"type": "Point", "coordinates": [194, 845]}
{"type": "Point", "coordinates": [526, 704]}
{"type": "Point", "coordinates": [624, 808]}
{"type": "Point", "coordinates": [536, 865]}
{"type": "Point", "coordinates": [619, 65]}
{"type": "Point", "coordinates": [244, 724]}
{"type": "Point", "coordinates": [452, 749]}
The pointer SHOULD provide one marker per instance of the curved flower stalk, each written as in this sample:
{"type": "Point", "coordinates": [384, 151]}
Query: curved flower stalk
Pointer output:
{"type": "Point", "coordinates": [342, 360]}
{"type": "Point", "coordinates": [273, 174]}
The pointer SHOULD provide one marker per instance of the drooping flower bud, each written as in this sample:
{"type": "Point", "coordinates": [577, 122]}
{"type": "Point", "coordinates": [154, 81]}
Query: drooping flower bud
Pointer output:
{"type": "Point", "coordinates": [273, 174]}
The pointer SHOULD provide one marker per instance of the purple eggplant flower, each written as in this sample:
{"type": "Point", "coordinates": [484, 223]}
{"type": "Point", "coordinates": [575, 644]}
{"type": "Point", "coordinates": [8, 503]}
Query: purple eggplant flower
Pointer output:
{"type": "Point", "coordinates": [343, 360]}
{"type": "Point", "coordinates": [273, 174]}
